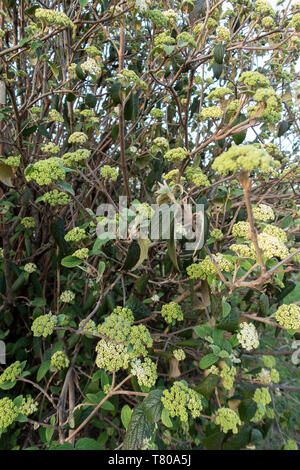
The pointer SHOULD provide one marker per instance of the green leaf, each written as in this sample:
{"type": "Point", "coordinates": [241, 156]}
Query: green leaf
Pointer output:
{"type": "Point", "coordinates": [64, 186]}
{"type": "Point", "coordinates": [207, 386]}
{"type": "Point", "coordinates": [71, 261]}
{"type": "Point", "coordinates": [79, 72]}
{"type": "Point", "coordinates": [6, 174]}
{"type": "Point", "coordinates": [165, 418]}
{"type": "Point", "coordinates": [138, 430]}
{"type": "Point", "coordinates": [247, 409]}
{"type": "Point", "coordinates": [95, 398]}
{"type": "Point", "coordinates": [144, 246]}
{"type": "Point", "coordinates": [132, 257]}
{"type": "Point", "coordinates": [126, 413]}
{"type": "Point", "coordinates": [115, 93]}
{"type": "Point", "coordinates": [240, 440]}
{"type": "Point", "coordinates": [8, 385]}
{"type": "Point", "coordinates": [57, 230]}
{"type": "Point", "coordinates": [90, 100]}
{"type": "Point", "coordinates": [226, 308]}
{"type": "Point", "coordinates": [203, 331]}
{"type": "Point", "coordinates": [86, 443]}
{"type": "Point", "coordinates": [43, 369]}
{"type": "Point", "coordinates": [213, 441]}
{"type": "Point", "coordinates": [153, 406]}
{"type": "Point", "coordinates": [208, 361]}
{"type": "Point", "coordinates": [83, 3]}
{"type": "Point", "coordinates": [54, 68]}
{"type": "Point", "coordinates": [219, 52]}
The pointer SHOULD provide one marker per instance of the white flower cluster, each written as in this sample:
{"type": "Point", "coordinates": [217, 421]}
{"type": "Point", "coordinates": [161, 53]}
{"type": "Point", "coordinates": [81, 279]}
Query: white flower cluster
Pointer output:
{"type": "Point", "coordinates": [91, 66]}
{"type": "Point", "coordinates": [263, 213]}
{"type": "Point", "coordinates": [271, 246]}
{"type": "Point", "coordinates": [142, 5]}
{"type": "Point", "coordinates": [248, 336]}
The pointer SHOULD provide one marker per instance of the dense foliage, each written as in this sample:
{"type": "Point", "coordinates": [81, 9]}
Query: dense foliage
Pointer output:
{"type": "Point", "coordinates": [134, 343]}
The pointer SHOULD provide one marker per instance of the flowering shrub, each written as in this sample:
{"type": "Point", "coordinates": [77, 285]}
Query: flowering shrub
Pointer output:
{"type": "Point", "coordinates": [131, 341]}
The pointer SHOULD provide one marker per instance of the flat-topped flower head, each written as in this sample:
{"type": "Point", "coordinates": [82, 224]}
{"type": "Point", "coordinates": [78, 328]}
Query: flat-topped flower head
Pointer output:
{"type": "Point", "coordinates": [11, 373]}
{"type": "Point", "coordinates": [181, 401]}
{"type": "Point", "coordinates": [263, 213]}
{"type": "Point", "coordinates": [176, 154]}
{"type": "Point", "coordinates": [228, 420]}
{"type": "Point", "coordinates": [243, 158]}
{"type": "Point", "coordinates": [288, 316]}
{"type": "Point", "coordinates": [51, 17]}
{"type": "Point", "coordinates": [77, 138]}
{"type": "Point", "coordinates": [241, 229]}
{"type": "Point", "coordinates": [172, 312]}
{"type": "Point", "coordinates": [75, 235]}
{"type": "Point", "coordinates": [46, 171]}
{"type": "Point", "coordinates": [248, 336]}
{"type": "Point", "coordinates": [145, 372]}
{"type": "Point", "coordinates": [59, 361]}
{"type": "Point", "coordinates": [111, 356]}
{"type": "Point", "coordinates": [8, 413]}
{"type": "Point", "coordinates": [44, 325]}
{"type": "Point", "coordinates": [206, 267]}
{"type": "Point", "coordinates": [272, 246]}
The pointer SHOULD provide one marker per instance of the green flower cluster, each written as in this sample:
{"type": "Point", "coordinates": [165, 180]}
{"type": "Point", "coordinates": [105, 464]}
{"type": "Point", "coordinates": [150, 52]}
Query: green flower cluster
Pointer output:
{"type": "Point", "coordinates": [67, 297]}
{"type": "Point", "coordinates": [158, 18]}
{"type": "Point", "coordinates": [12, 161]}
{"type": "Point", "coordinates": [91, 66]}
{"type": "Point", "coordinates": [243, 157]}
{"type": "Point", "coordinates": [206, 267]}
{"type": "Point", "coordinates": [241, 229]}
{"type": "Point", "coordinates": [179, 354]}
{"type": "Point", "coordinates": [228, 420]}
{"type": "Point", "coordinates": [129, 78]}
{"type": "Point", "coordinates": [51, 17]}
{"type": "Point", "coordinates": [211, 112]}
{"type": "Point", "coordinates": [118, 324]}
{"type": "Point", "coordinates": [46, 171]}
{"type": "Point", "coordinates": [254, 79]}
{"type": "Point", "coordinates": [288, 316]}
{"type": "Point", "coordinates": [92, 51]}
{"type": "Point", "coordinates": [157, 113]}
{"type": "Point", "coordinates": [56, 198]}
{"type": "Point", "coordinates": [181, 400]}
{"type": "Point", "coordinates": [11, 373]}
{"type": "Point", "coordinates": [146, 372]}
{"type": "Point", "coordinates": [8, 413]}
{"type": "Point", "coordinates": [30, 268]}
{"type": "Point", "coordinates": [248, 336]}
{"type": "Point", "coordinates": [44, 325]}
{"type": "Point", "coordinates": [217, 234]}
{"type": "Point", "coordinates": [262, 396]}
{"type": "Point", "coordinates": [219, 93]}
{"type": "Point", "coordinates": [243, 251]}
{"type": "Point", "coordinates": [55, 116]}
{"type": "Point", "coordinates": [73, 157]}
{"type": "Point", "coordinates": [140, 340]}
{"type": "Point", "coordinates": [223, 34]}
{"type": "Point", "coordinates": [290, 445]}
{"type": "Point", "coordinates": [187, 38]}
{"type": "Point", "coordinates": [295, 22]}
{"type": "Point", "coordinates": [111, 356]}
{"type": "Point", "coordinates": [271, 246]}
{"type": "Point", "coordinates": [176, 154]}
{"type": "Point", "coordinates": [269, 361]}
{"type": "Point", "coordinates": [164, 39]}
{"type": "Point", "coordinates": [160, 144]}
{"type": "Point", "coordinates": [89, 326]}
{"type": "Point", "coordinates": [263, 213]}
{"type": "Point", "coordinates": [172, 312]}
{"type": "Point", "coordinates": [228, 375]}
{"type": "Point", "coordinates": [28, 406]}
{"type": "Point", "coordinates": [50, 148]}
{"type": "Point", "coordinates": [264, 8]}
{"type": "Point", "coordinates": [197, 176]}
{"type": "Point", "coordinates": [28, 222]}
{"type": "Point", "coordinates": [109, 172]}
{"type": "Point", "coordinates": [59, 361]}
{"type": "Point", "coordinates": [82, 253]}
{"type": "Point", "coordinates": [276, 232]}
{"type": "Point", "coordinates": [77, 138]}
{"type": "Point", "coordinates": [75, 235]}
